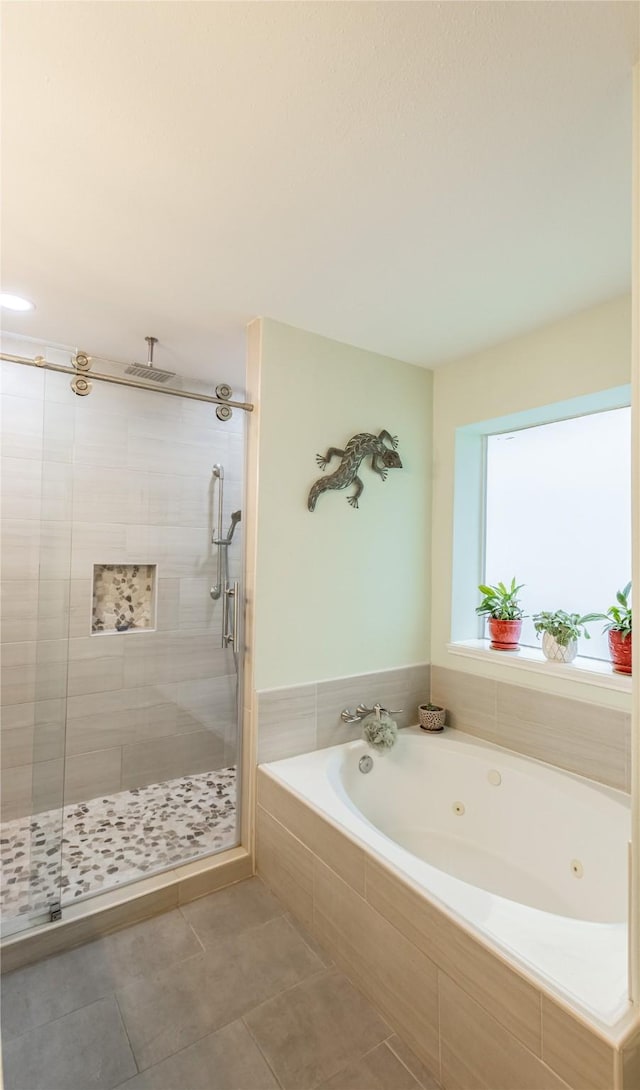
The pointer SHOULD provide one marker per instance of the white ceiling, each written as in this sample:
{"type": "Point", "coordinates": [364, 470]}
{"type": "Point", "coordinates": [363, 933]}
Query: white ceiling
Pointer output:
{"type": "Point", "coordinates": [420, 179]}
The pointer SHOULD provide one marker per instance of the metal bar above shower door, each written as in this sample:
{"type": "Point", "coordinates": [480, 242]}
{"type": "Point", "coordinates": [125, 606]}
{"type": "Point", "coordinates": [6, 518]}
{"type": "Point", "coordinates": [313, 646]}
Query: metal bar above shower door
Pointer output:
{"type": "Point", "coordinates": [44, 365]}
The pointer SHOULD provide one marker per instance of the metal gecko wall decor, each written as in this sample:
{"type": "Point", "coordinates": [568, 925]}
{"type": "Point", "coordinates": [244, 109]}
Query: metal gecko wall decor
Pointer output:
{"type": "Point", "coordinates": [362, 445]}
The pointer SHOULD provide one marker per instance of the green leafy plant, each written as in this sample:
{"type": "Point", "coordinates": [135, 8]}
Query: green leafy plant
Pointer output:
{"type": "Point", "coordinates": [618, 615]}
{"type": "Point", "coordinates": [501, 602]}
{"type": "Point", "coordinates": [564, 627]}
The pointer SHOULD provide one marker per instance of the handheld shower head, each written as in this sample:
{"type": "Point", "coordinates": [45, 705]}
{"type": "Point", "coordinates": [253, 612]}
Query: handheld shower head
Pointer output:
{"type": "Point", "coordinates": [236, 517]}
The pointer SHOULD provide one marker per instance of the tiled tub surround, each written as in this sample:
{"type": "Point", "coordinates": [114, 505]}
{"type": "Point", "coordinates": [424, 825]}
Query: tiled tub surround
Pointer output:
{"type": "Point", "coordinates": [307, 717]}
{"type": "Point", "coordinates": [471, 1017]}
{"type": "Point", "coordinates": [580, 737]}
{"type": "Point", "coordinates": [111, 840]}
{"type": "Point", "coordinates": [119, 477]}
{"type": "Point", "coordinates": [123, 597]}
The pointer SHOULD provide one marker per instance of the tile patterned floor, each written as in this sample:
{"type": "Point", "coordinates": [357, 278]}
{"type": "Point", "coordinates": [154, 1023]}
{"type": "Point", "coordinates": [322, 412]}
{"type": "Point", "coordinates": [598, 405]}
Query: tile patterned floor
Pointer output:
{"type": "Point", "coordinates": [106, 842]}
{"type": "Point", "coordinates": [227, 993]}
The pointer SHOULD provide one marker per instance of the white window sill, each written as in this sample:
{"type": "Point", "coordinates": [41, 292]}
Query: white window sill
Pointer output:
{"type": "Point", "coordinates": [589, 671]}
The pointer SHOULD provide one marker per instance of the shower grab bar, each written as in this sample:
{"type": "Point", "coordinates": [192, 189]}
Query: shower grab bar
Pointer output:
{"type": "Point", "coordinates": [216, 591]}
{"type": "Point", "coordinates": [232, 636]}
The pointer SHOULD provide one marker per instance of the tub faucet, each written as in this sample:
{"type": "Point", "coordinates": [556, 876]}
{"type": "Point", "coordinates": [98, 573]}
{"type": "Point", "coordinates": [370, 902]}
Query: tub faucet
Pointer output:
{"type": "Point", "coordinates": [362, 712]}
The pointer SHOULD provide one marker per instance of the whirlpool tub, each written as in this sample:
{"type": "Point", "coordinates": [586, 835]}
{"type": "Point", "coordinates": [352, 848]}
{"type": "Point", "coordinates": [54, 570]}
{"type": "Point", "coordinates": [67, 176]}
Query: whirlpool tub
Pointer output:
{"type": "Point", "coordinates": [531, 860]}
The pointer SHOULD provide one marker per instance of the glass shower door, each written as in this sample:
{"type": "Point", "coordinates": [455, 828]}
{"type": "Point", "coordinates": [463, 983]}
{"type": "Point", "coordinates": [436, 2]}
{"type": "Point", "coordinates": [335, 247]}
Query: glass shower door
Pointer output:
{"type": "Point", "coordinates": [121, 708]}
{"type": "Point", "coordinates": [34, 570]}
{"type": "Point", "coordinates": [152, 738]}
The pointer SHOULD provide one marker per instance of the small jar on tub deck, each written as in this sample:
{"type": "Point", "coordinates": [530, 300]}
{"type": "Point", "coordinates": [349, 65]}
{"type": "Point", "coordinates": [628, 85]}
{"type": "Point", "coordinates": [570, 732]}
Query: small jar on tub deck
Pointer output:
{"type": "Point", "coordinates": [431, 717]}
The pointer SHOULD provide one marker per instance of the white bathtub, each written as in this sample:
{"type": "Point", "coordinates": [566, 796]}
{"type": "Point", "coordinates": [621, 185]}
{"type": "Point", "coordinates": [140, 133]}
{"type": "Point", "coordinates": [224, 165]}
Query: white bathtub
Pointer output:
{"type": "Point", "coordinates": [532, 859]}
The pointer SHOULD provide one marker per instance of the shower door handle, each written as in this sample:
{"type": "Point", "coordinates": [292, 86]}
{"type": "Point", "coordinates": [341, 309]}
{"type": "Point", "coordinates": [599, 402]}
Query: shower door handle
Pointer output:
{"type": "Point", "coordinates": [232, 636]}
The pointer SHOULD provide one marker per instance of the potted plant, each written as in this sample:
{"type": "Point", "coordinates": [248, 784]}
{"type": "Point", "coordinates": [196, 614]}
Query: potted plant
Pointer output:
{"type": "Point", "coordinates": [618, 629]}
{"type": "Point", "coordinates": [431, 716]}
{"type": "Point", "coordinates": [501, 607]}
{"type": "Point", "coordinates": [561, 632]}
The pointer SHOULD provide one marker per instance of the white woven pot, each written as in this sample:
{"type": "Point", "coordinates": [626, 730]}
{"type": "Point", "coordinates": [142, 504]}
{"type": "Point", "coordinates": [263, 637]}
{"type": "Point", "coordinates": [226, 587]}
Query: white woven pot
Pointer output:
{"type": "Point", "coordinates": [556, 652]}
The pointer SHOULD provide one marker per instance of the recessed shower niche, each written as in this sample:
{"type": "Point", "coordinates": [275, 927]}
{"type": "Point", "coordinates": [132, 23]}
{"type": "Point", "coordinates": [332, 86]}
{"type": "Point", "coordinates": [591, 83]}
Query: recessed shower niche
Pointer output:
{"type": "Point", "coordinates": [124, 598]}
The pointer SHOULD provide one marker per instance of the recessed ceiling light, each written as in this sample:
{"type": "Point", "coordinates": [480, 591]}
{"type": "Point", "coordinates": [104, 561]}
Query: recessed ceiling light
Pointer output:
{"type": "Point", "coordinates": [15, 302]}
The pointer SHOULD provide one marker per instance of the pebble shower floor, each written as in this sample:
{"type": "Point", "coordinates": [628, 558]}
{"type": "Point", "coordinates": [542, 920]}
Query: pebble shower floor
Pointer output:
{"type": "Point", "coordinates": [112, 840]}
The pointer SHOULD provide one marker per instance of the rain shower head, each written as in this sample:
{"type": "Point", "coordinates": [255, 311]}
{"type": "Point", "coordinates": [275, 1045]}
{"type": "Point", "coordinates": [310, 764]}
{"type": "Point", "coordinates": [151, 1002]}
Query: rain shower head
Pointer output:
{"type": "Point", "coordinates": [147, 370]}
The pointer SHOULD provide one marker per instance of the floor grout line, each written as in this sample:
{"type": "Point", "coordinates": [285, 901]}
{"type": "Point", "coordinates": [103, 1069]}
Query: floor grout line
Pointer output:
{"type": "Point", "coordinates": [405, 1065]}
{"type": "Point", "coordinates": [257, 1044]}
{"type": "Point", "coordinates": [126, 1031]}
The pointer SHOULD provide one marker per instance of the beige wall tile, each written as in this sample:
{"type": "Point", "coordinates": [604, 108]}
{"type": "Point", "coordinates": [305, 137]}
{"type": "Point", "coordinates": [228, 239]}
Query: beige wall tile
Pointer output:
{"type": "Point", "coordinates": [574, 1052]}
{"type": "Point", "coordinates": [100, 435]}
{"type": "Point", "coordinates": [17, 683]}
{"type": "Point", "coordinates": [196, 608]}
{"type": "Point", "coordinates": [572, 734]}
{"type": "Point", "coordinates": [205, 704]}
{"type": "Point", "coordinates": [471, 701]}
{"type": "Point", "coordinates": [106, 730]}
{"type": "Point", "coordinates": [20, 554]}
{"type": "Point", "coordinates": [32, 732]}
{"type": "Point", "coordinates": [631, 1063]}
{"type": "Point", "coordinates": [53, 609]}
{"type": "Point", "coordinates": [54, 557]}
{"type": "Point", "coordinates": [17, 791]}
{"type": "Point", "coordinates": [286, 722]}
{"type": "Point", "coordinates": [80, 603]}
{"type": "Point", "coordinates": [330, 844]}
{"type": "Point", "coordinates": [115, 701]}
{"type": "Point", "coordinates": [505, 994]}
{"type": "Point", "coordinates": [58, 434]}
{"type": "Point", "coordinates": [391, 971]}
{"type": "Point", "coordinates": [17, 381]}
{"type": "Point", "coordinates": [41, 675]}
{"type": "Point", "coordinates": [21, 488]}
{"type": "Point", "coordinates": [400, 690]}
{"type": "Point", "coordinates": [31, 788]}
{"type": "Point", "coordinates": [98, 543]}
{"type": "Point", "coordinates": [286, 866]}
{"type": "Point", "coordinates": [91, 774]}
{"type": "Point", "coordinates": [168, 605]}
{"type": "Point", "coordinates": [21, 426]}
{"type": "Point", "coordinates": [96, 675]}
{"type": "Point", "coordinates": [478, 1052]}
{"type": "Point", "coordinates": [57, 491]}
{"type": "Point", "coordinates": [19, 604]}
{"type": "Point", "coordinates": [161, 657]}
{"type": "Point", "coordinates": [165, 758]}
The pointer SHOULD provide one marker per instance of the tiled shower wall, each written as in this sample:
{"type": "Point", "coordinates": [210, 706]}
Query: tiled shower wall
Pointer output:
{"type": "Point", "coordinates": [119, 477]}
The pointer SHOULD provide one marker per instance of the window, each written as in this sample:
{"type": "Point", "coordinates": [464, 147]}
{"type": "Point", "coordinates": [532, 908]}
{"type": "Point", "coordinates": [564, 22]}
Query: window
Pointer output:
{"type": "Point", "coordinates": [558, 516]}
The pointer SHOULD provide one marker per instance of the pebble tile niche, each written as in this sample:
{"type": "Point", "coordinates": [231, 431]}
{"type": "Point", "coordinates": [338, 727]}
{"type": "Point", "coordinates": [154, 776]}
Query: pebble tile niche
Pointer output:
{"type": "Point", "coordinates": [123, 597]}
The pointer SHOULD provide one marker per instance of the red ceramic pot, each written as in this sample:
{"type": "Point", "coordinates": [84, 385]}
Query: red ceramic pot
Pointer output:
{"type": "Point", "coordinates": [620, 651]}
{"type": "Point", "coordinates": [504, 634]}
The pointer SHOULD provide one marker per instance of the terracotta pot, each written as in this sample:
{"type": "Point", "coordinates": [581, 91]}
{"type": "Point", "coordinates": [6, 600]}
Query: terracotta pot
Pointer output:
{"type": "Point", "coordinates": [504, 634]}
{"type": "Point", "coordinates": [620, 651]}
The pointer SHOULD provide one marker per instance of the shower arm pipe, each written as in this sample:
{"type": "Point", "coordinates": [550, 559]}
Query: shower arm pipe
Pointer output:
{"type": "Point", "coordinates": [45, 365]}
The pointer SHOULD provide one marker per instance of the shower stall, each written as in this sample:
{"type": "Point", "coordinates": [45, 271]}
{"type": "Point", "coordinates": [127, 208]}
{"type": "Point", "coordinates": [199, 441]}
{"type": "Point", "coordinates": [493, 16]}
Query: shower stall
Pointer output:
{"type": "Point", "coordinates": [121, 671]}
